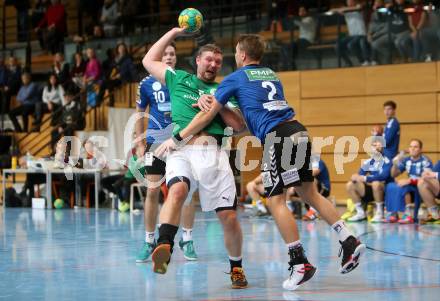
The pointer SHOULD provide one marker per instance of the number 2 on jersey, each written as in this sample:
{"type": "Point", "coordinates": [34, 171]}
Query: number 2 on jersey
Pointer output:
{"type": "Point", "coordinates": [271, 86]}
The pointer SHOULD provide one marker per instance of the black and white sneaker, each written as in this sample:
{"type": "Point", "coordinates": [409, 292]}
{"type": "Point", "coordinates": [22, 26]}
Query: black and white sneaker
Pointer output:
{"type": "Point", "coordinates": [300, 269]}
{"type": "Point", "coordinates": [351, 250]}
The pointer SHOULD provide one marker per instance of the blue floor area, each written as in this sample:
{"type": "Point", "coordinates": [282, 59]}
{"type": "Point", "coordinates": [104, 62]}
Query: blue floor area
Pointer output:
{"type": "Point", "coordinates": [90, 255]}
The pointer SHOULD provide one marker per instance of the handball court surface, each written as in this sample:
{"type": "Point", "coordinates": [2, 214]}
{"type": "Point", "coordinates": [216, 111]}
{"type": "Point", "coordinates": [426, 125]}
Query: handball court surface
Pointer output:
{"type": "Point", "coordinates": [85, 254]}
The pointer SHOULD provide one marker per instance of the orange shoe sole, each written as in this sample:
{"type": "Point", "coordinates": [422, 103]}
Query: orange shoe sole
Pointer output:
{"type": "Point", "coordinates": [160, 257]}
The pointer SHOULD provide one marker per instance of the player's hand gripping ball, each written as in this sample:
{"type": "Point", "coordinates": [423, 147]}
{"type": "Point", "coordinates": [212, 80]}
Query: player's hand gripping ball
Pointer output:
{"type": "Point", "coordinates": [191, 19]}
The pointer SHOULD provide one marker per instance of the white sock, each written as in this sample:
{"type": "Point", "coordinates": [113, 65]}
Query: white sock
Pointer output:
{"type": "Point", "coordinates": [149, 237]}
{"type": "Point", "coordinates": [294, 244]}
{"type": "Point", "coordinates": [359, 208]}
{"type": "Point", "coordinates": [187, 234]}
{"type": "Point", "coordinates": [342, 230]}
{"type": "Point", "coordinates": [408, 209]}
{"type": "Point", "coordinates": [235, 258]}
{"type": "Point", "coordinates": [260, 206]}
{"type": "Point", "coordinates": [379, 208]}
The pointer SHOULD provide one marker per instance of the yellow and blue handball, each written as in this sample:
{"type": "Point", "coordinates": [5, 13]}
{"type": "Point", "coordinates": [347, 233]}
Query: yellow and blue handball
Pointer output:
{"type": "Point", "coordinates": [58, 204]}
{"type": "Point", "coordinates": [191, 19]}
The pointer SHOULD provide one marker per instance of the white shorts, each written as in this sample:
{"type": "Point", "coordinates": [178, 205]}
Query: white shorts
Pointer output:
{"type": "Point", "coordinates": [207, 168]}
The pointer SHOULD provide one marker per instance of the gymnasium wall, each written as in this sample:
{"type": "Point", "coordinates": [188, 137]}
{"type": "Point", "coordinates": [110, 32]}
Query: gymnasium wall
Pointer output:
{"type": "Point", "coordinates": [348, 102]}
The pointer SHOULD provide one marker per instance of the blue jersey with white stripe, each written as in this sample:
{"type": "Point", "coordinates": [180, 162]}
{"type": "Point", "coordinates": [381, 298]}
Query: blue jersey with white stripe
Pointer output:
{"type": "Point", "coordinates": [415, 168]}
{"type": "Point", "coordinates": [155, 95]}
{"type": "Point", "coordinates": [391, 134]}
{"type": "Point", "coordinates": [260, 95]}
{"type": "Point", "coordinates": [377, 170]}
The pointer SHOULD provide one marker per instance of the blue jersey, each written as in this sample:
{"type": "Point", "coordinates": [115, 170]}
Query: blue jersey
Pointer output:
{"type": "Point", "coordinates": [260, 95]}
{"type": "Point", "coordinates": [377, 170]}
{"type": "Point", "coordinates": [155, 95]}
{"type": "Point", "coordinates": [436, 168]}
{"type": "Point", "coordinates": [415, 168]}
{"type": "Point", "coordinates": [391, 134]}
{"type": "Point", "coordinates": [323, 177]}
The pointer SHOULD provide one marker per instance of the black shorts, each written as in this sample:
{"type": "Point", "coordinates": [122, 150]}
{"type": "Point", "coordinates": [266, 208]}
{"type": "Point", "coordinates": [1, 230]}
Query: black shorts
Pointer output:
{"type": "Point", "coordinates": [368, 196]}
{"type": "Point", "coordinates": [154, 165]}
{"type": "Point", "coordinates": [324, 191]}
{"type": "Point", "coordinates": [286, 158]}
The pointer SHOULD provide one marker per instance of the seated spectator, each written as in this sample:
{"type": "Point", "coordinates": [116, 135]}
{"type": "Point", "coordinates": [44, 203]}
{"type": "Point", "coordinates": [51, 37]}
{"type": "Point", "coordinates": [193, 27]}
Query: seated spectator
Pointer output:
{"type": "Point", "coordinates": [322, 182]}
{"type": "Point", "coordinates": [38, 13]}
{"type": "Point", "coordinates": [92, 74]}
{"type": "Point", "coordinates": [96, 34]}
{"type": "Point", "coordinates": [53, 99]}
{"type": "Point", "coordinates": [399, 195]}
{"type": "Point", "coordinates": [255, 190]}
{"type": "Point", "coordinates": [72, 118]}
{"type": "Point", "coordinates": [122, 72]}
{"type": "Point", "coordinates": [61, 68]}
{"type": "Point", "coordinates": [430, 35]}
{"type": "Point", "coordinates": [357, 34]}
{"type": "Point", "coordinates": [109, 16]}
{"type": "Point", "coordinates": [399, 27]}
{"type": "Point", "coordinates": [129, 9]}
{"type": "Point", "coordinates": [78, 69]}
{"type": "Point", "coordinates": [417, 21]}
{"type": "Point", "coordinates": [429, 189]}
{"type": "Point", "coordinates": [28, 96]}
{"type": "Point", "coordinates": [307, 34]}
{"type": "Point", "coordinates": [378, 33]}
{"type": "Point", "coordinates": [13, 83]}
{"type": "Point", "coordinates": [54, 21]}
{"type": "Point", "coordinates": [369, 183]}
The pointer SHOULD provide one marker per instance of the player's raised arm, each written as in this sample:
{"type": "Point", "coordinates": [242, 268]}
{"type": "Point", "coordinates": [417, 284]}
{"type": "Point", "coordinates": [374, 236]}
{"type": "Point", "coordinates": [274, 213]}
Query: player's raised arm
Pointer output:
{"type": "Point", "coordinates": [152, 61]}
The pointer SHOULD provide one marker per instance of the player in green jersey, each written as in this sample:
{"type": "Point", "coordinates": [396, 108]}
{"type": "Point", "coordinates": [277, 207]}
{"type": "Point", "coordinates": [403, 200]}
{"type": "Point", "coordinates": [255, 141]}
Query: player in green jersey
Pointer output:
{"type": "Point", "coordinates": [201, 163]}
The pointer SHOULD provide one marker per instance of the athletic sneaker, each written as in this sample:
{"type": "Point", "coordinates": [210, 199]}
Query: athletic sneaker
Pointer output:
{"type": "Point", "coordinates": [238, 278]}
{"type": "Point", "coordinates": [145, 252]}
{"type": "Point", "coordinates": [406, 219]}
{"type": "Point", "coordinates": [359, 216]}
{"type": "Point", "coordinates": [377, 218]}
{"type": "Point", "coordinates": [310, 215]}
{"type": "Point", "coordinates": [124, 206]}
{"type": "Point", "coordinates": [161, 258]}
{"type": "Point", "coordinates": [351, 250]}
{"type": "Point", "coordinates": [430, 220]}
{"type": "Point", "coordinates": [390, 218]}
{"type": "Point", "coordinates": [350, 210]}
{"type": "Point", "coordinates": [188, 249]}
{"type": "Point", "coordinates": [299, 273]}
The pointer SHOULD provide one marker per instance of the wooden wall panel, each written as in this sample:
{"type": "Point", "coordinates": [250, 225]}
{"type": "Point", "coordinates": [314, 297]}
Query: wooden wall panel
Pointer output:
{"type": "Point", "coordinates": [427, 133]}
{"type": "Point", "coordinates": [333, 83]}
{"type": "Point", "coordinates": [410, 108]}
{"type": "Point", "coordinates": [400, 79]}
{"type": "Point", "coordinates": [291, 86]}
{"type": "Point", "coordinates": [333, 111]}
{"type": "Point", "coordinates": [340, 171]}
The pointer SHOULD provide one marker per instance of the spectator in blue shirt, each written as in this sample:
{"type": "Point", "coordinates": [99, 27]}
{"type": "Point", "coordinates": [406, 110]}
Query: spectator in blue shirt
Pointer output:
{"type": "Point", "coordinates": [369, 183]}
{"type": "Point", "coordinates": [414, 165]}
{"type": "Point", "coordinates": [391, 132]}
{"type": "Point", "coordinates": [28, 96]}
{"type": "Point", "coordinates": [429, 189]}
{"type": "Point", "coordinates": [12, 84]}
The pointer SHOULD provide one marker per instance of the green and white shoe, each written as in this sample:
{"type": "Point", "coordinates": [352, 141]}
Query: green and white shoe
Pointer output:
{"type": "Point", "coordinates": [145, 252]}
{"type": "Point", "coordinates": [188, 249]}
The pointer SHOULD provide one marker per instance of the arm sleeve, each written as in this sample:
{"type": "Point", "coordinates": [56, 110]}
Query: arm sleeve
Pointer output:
{"type": "Point", "coordinates": [401, 166]}
{"type": "Point", "coordinates": [171, 78]}
{"type": "Point", "coordinates": [45, 95]}
{"type": "Point", "coordinates": [226, 90]}
{"type": "Point", "coordinates": [383, 175]}
{"type": "Point", "coordinates": [362, 172]}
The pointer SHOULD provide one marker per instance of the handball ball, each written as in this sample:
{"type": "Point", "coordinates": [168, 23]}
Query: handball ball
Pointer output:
{"type": "Point", "coordinates": [58, 204]}
{"type": "Point", "coordinates": [190, 19]}
{"type": "Point", "coordinates": [377, 130]}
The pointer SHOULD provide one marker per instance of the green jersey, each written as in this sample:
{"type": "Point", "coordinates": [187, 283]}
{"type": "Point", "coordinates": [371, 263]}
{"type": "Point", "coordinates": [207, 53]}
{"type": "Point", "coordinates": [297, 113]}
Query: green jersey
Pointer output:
{"type": "Point", "coordinates": [185, 90]}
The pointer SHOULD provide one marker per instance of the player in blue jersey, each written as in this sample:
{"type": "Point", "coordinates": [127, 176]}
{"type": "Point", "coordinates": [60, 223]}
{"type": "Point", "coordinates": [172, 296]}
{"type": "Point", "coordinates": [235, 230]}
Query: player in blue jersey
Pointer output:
{"type": "Point", "coordinates": [429, 189]}
{"type": "Point", "coordinates": [153, 94]}
{"type": "Point", "coordinates": [322, 181]}
{"type": "Point", "coordinates": [268, 116]}
{"type": "Point", "coordinates": [369, 183]}
{"type": "Point", "coordinates": [391, 133]}
{"type": "Point", "coordinates": [414, 165]}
